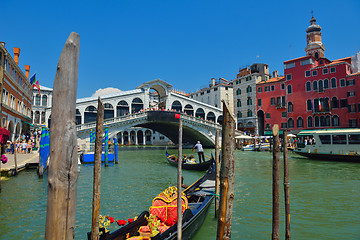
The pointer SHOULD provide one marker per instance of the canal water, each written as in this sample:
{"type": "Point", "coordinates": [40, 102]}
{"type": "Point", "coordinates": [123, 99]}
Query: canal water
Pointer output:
{"type": "Point", "coordinates": [324, 196]}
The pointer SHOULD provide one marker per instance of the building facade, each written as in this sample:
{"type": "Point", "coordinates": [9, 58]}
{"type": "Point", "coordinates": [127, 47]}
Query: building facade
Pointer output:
{"type": "Point", "coordinates": [244, 87]}
{"type": "Point", "coordinates": [40, 102]}
{"type": "Point", "coordinates": [16, 93]}
{"type": "Point", "coordinates": [213, 94]}
{"type": "Point", "coordinates": [321, 93]}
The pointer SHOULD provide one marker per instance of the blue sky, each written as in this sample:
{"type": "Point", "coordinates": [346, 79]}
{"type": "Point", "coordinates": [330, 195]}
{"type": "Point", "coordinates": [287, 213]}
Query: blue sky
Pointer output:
{"type": "Point", "coordinates": [128, 42]}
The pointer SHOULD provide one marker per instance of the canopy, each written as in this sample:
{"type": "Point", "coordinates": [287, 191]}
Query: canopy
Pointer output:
{"type": "Point", "coordinates": [291, 135]}
{"type": "Point", "coordinates": [244, 137]}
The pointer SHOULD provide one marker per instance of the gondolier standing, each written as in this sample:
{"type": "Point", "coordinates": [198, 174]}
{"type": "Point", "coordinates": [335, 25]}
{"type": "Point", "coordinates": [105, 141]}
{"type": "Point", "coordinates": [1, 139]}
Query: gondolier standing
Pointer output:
{"type": "Point", "coordinates": [200, 151]}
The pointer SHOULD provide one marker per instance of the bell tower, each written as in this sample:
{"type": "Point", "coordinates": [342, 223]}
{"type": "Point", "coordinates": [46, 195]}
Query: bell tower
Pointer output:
{"type": "Point", "coordinates": [314, 47]}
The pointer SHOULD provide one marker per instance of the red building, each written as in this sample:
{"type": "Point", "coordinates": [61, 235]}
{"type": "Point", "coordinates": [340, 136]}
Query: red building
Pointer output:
{"type": "Point", "coordinates": [319, 93]}
{"type": "Point", "coordinates": [271, 103]}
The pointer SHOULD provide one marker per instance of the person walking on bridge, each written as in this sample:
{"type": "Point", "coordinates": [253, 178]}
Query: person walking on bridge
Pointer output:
{"type": "Point", "coordinates": [200, 151]}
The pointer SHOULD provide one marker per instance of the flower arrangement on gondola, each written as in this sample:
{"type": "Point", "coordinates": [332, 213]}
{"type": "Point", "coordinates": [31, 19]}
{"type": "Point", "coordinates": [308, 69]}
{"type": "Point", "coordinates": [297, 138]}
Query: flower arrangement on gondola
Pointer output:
{"type": "Point", "coordinates": [105, 221]}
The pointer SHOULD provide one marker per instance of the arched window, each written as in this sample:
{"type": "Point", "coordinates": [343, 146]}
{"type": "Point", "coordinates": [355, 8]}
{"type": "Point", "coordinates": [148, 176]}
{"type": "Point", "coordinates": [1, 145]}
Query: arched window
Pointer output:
{"type": "Point", "coordinates": [42, 117]}
{"type": "Point", "coordinates": [335, 121]}
{"type": "Point", "coordinates": [317, 105]}
{"type": "Point", "coordinates": [108, 111]}
{"type": "Point", "coordinates": [300, 122]}
{"type": "Point", "coordinates": [315, 85]}
{"type": "Point", "coordinates": [326, 84]}
{"type": "Point", "coordinates": [249, 101]}
{"type": "Point", "coordinates": [322, 121]}
{"type": "Point", "coordinates": [290, 107]}
{"type": "Point", "coordinates": [321, 86]}
{"type": "Point", "coordinates": [176, 105]}
{"type": "Point", "coordinates": [327, 121]}
{"type": "Point", "coordinates": [239, 114]}
{"type": "Point", "coordinates": [290, 123]}
{"type": "Point", "coordinates": [238, 91]}
{"type": "Point", "coordinates": [333, 83]}
{"type": "Point", "coordinates": [249, 89]}
{"type": "Point", "coordinates": [310, 122]}
{"type": "Point", "coordinates": [309, 105]}
{"type": "Point", "coordinates": [189, 110]}
{"type": "Point", "coordinates": [37, 117]}
{"type": "Point", "coordinates": [317, 121]}
{"type": "Point", "coordinates": [327, 104]}
{"type": "Point", "coordinates": [78, 116]}
{"type": "Point", "coordinates": [200, 113]}
{"type": "Point", "coordinates": [136, 105]}
{"type": "Point", "coordinates": [238, 103]}
{"type": "Point", "coordinates": [90, 114]}
{"type": "Point", "coordinates": [37, 100]}
{"type": "Point", "coordinates": [44, 100]}
{"type": "Point", "coordinates": [211, 117]}
{"type": "Point", "coordinates": [289, 89]}
{"type": "Point", "coordinates": [334, 102]}
{"type": "Point", "coordinates": [308, 86]}
{"type": "Point", "coordinates": [122, 108]}
{"type": "Point", "coordinates": [249, 113]}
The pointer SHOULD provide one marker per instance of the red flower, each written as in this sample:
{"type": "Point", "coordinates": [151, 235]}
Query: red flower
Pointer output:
{"type": "Point", "coordinates": [111, 219]}
{"type": "Point", "coordinates": [130, 220]}
{"type": "Point", "coordinates": [123, 222]}
{"type": "Point", "coordinates": [119, 222]}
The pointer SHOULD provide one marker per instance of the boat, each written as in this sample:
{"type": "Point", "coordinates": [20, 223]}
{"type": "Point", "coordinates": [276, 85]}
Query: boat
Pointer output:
{"type": "Point", "coordinates": [199, 197]}
{"type": "Point", "coordinates": [189, 166]}
{"type": "Point", "coordinates": [88, 157]}
{"type": "Point", "coordinates": [342, 144]}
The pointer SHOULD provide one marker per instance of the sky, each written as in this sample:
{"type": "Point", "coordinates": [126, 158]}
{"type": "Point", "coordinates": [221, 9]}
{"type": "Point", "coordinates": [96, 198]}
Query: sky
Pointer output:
{"type": "Point", "coordinates": [125, 43]}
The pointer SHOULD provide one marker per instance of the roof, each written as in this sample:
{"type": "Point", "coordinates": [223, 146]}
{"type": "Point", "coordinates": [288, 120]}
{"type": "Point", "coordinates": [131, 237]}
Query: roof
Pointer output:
{"type": "Point", "coordinates": [353, 74]}
{"type": "Point", "coordinates": [272, 80]}
{"type": "Point", "coordinates": [299, 58]}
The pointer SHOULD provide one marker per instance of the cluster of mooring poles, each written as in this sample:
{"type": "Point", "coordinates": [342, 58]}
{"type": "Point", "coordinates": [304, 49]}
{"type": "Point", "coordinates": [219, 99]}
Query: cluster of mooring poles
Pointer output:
{"type": "Point", "coordinates": [276, 176]}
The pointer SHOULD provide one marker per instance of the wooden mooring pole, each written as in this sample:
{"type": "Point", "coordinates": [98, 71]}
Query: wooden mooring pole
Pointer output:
{"type": "Point", "coordinates": [286, 188]}
{"type": "Point", "coordinates": [275, 193]}
{"type": "Point", "coordinates": [15, 160]}
{"type": "Point", "coordinates": [63, 169]}
{"type": "Point", "coordinates": [97, 171]}
{"type": "Point", "coordinates": [226, 175]}
{"type": "Point", "coordinates": [217, 180]}
{"type": "Point", "coordinates": [179, 174]}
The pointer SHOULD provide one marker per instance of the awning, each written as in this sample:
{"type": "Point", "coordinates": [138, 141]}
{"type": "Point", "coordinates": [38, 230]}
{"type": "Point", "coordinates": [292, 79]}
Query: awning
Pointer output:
{"type": "Point", "coordinates": [269, 133]}
{"type": "Point", "coordinates": [244, 137]}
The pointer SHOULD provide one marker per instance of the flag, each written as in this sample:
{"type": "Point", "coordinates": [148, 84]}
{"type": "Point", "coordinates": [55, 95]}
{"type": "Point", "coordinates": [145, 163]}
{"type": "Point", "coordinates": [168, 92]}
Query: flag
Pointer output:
{"type": "Point", "coordinates": [33, 80]}
{"type": "Point", "coordinates": [37, 85]}
{"type": "Point", "coordinates": [319, 105]}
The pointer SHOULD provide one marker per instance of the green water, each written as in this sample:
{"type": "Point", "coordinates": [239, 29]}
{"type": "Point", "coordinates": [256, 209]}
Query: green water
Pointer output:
{"type": "Point", "coordinates": [324, 196]}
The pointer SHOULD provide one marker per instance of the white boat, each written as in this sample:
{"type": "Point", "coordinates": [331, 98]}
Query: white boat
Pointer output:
{"type": "Point", "coordinates": [249, 147]}
{"type": "Point", "coordinates": [330, 144]}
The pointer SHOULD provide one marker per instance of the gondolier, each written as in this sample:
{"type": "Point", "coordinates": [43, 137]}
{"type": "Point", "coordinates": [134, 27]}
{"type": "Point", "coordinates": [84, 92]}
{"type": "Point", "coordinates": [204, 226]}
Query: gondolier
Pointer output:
{"type": "Point", "coordinates": [200, 151]}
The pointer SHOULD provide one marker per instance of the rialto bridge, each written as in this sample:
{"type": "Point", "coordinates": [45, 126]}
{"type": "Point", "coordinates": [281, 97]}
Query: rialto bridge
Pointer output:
{"type": "Point", "coordinates": [126, 114]}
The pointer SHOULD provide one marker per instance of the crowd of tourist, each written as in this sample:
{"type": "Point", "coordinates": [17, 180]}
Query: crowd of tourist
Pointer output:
{"type": "Point", "coordinates": [24, 143]}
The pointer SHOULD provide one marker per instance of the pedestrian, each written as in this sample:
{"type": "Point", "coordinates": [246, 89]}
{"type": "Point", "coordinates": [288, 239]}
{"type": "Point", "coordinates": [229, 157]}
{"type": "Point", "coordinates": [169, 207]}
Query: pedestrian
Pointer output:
{"type": "Point", "coordinates": [200, 151]}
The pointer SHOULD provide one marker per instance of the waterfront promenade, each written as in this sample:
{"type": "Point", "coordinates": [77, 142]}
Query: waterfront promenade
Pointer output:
{"type": "Point", "coordinates": [23, 160]}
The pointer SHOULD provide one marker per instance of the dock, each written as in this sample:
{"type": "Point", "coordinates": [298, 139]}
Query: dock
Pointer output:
{"type": "Point", "coordinates": [24, 161]}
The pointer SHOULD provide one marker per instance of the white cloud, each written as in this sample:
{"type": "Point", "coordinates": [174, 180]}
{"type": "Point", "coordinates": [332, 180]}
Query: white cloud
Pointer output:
{"type": "Point", "coordinates": [105, 91]}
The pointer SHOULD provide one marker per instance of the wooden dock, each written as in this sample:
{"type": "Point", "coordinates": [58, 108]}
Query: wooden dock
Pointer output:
{"type": "Point", "coordinates": [24, 161]}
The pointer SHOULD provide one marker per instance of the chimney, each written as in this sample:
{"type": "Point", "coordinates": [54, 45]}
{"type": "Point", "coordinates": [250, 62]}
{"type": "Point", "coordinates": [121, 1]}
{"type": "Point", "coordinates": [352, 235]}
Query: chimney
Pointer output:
{"type": "Point", "coordinates": [275, 74]}
{"type": "Point", "coordinates": [213, 82]}
{"type": "Point", "coordinates": [27, 70]}
{"type": "Point", "coordinates": [16, 55]}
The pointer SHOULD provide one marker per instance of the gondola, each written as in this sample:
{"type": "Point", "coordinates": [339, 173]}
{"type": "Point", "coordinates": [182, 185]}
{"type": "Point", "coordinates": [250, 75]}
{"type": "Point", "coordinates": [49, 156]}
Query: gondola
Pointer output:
{"type": "Point", "coordinates": [195, 166]}
{"type": "Point", "coordinates": [199, 197]}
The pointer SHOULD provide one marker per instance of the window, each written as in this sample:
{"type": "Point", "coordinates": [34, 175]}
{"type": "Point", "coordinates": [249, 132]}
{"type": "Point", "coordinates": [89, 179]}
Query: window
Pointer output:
{"type": "Point", "coordinates": [44, 100]}
{"type": "Point", "coordinates": [300, 122]}
{"type": "Point", "coordinates": [314, 73]}
{"type": "Point", "coordinates": [342, 82]}
{"type": "Point", "coordinates": [307, 73]}
{"type": "Point", "coordinates": [283, 114]}
{"type": "Point", "coordinates": [267, 126]}
{"type": "Point", "coordinates": [332, 70]}
{"type": "Point", "coordinates": [317, 121]}
{"type": "Point", "coordinates": [310, 122]}
{"type": "Point", "coordinates": [272, 87]}
{"type": "Point", "coordinates": [249, 89]}
{"type": "Point", "coordinates": [289, 89]}
{"type": "Point", "coordinates": [238, 103]}
{"type": "Point", "coordinates": [238, 91]}
{"type": "Point", "coordinates": [239, 115]}
{"type": "Point", "coordinates": [290, 107]}
{"type": "Point", "coordinates": [352, 108]}
{"type": "Point", "coordinates": [289, 65]}
{"type": "Point", "coordinates": [309, 105]}
{"type": "Point", "coordinates": [326, 83]}
{"type": "Point", "coordinates": [333, 82]}
{"type": "Point", "coordinates": [343, 103]}
{"type": "Point", "coordinates": [268, 115]}
{"type": "Point", "coordinates": [248, 79]}
{"type": "Point", "coordinates": [249, 113]}
{"type": "Point", "coordinates": [339, 139]}
{"type": "Point", "coordinates": [306, 62]}
{"type": "Point", "coordinates": [259, 102]}
{"type": "Point", "coordinates": [321, 86]}
{"type": "Point", "coordinates": [308, 86]}
{"type": "Point", "coordinates": [283, 125]}
{"type": "Point", "coordinates": [350, 82]}
{"type": "Point", "coordinates": [272, 101]}
{"type": "Point", "coordinates": [259, 89]}
{"type": "Point", "coordinates": [290, 123]}
{"type": "Point", "coordinates": [350, 94]}
{"type": "Point", "coordinates": [215, 89]}
{"type": "Point", "coordinates": [315, 85]}
{"type": "Point", "coordinates": [283, 86]}
{"type": "Point", "coordinates": [288, 77]}
{"type": "Point", "coordinates": [335, 121]}
{"type": "Point", "coordinates": [325, 71]}
{"type": "Point", "coordinates": [267, 88]}
{"type": "Point", "coordinates": [334, 102]}
{"type": "Point", "coordinates": [202, 93]}
{"type": "Point", "coordinates": [208, 91]}
{"type": "Point", "coordinates": [354, 138]}
{"type": "Point", "coordinates": [283, 103]}
{"type": "Point", "coordinates": [325, 139]}
{"type": "Point", "coordinates": [37, 100]}
{"type": "Point", "coordinates": [249, 101]}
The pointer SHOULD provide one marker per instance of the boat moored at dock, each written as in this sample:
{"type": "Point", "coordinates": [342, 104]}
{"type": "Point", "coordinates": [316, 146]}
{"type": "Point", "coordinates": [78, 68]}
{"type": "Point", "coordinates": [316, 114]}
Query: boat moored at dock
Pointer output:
{"type": "Point", "coordinates": [330, 144]}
